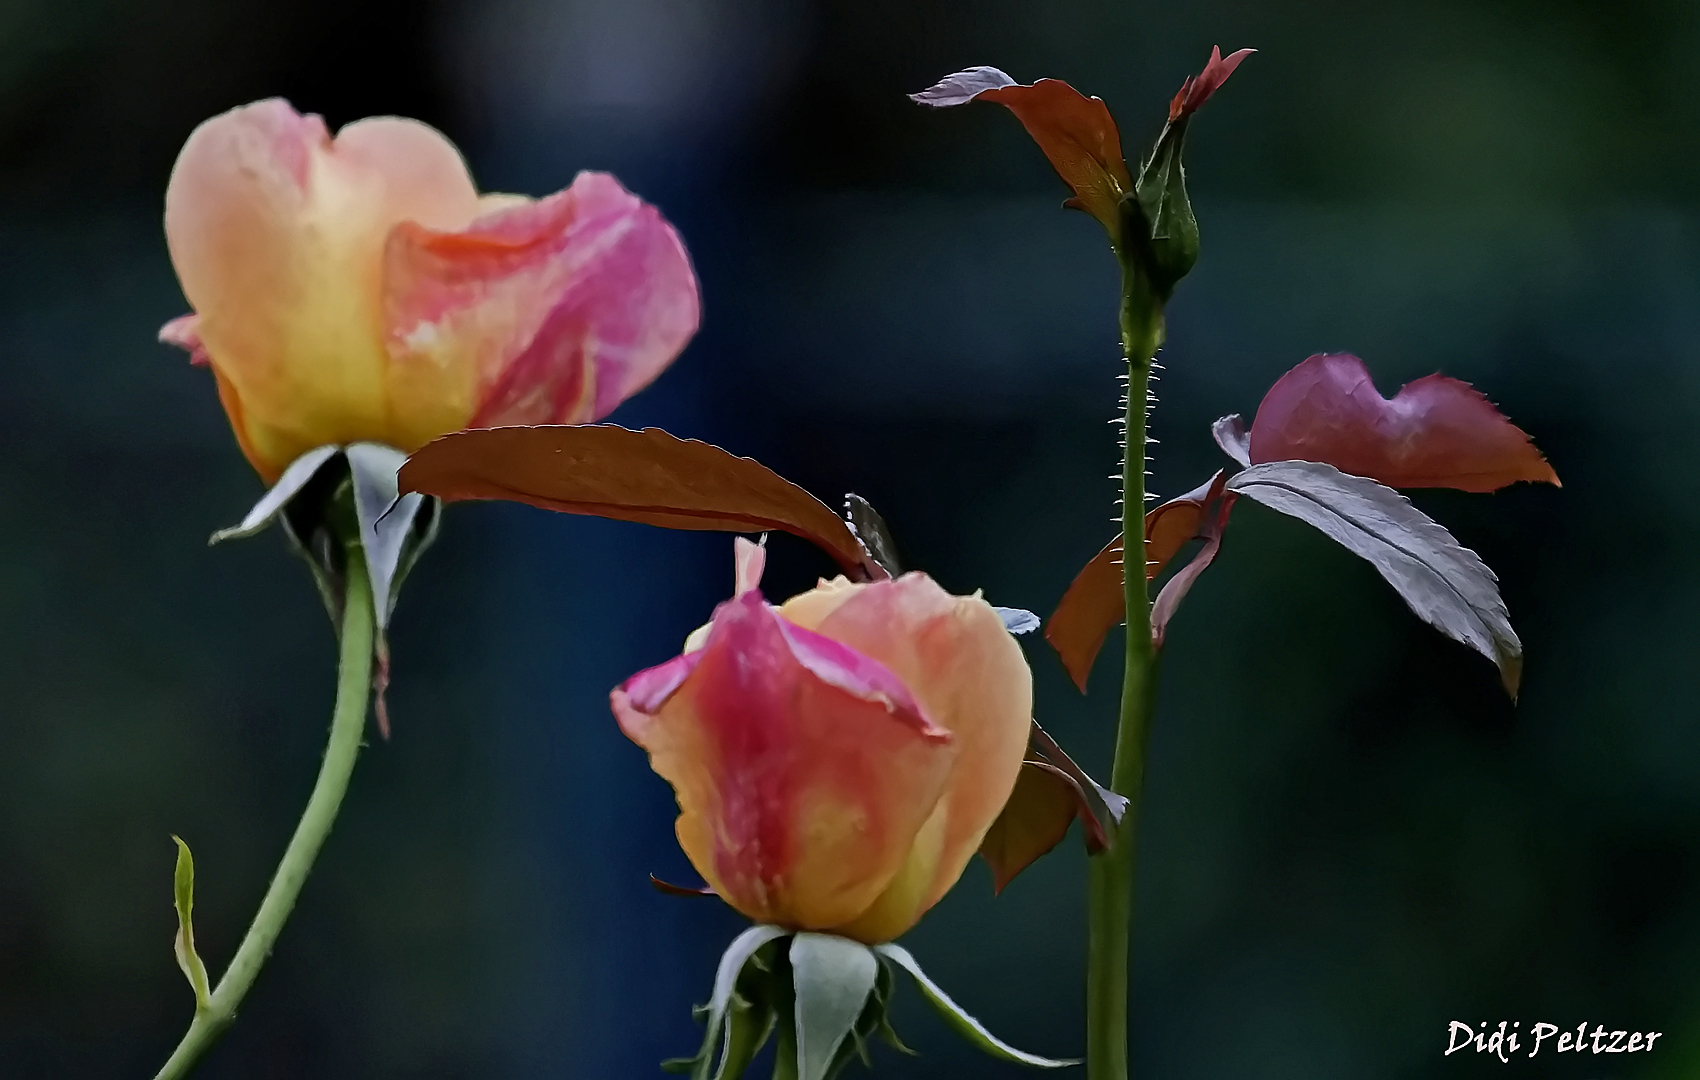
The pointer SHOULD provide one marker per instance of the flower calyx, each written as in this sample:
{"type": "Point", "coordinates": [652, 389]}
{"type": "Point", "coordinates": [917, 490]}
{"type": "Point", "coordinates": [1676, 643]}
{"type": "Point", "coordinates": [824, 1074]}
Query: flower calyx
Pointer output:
{"type": "Point", "coordinates": [827, 999]}
{"type": "Point", "coordinates": [335, 503]}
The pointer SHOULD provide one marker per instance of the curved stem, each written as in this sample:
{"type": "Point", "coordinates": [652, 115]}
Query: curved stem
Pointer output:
{"type": "Point", "coordinates": [1111, 874]}
{"type": "Point", "coordinates": [354, 683]}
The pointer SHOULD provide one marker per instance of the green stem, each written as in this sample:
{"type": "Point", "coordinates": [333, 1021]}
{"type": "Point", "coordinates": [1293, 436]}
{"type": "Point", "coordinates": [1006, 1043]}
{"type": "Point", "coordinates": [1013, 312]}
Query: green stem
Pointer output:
{"type": "Point", "coordinates": [354, 683]}
{"type": "Point", "coordinates": [1111, 874]}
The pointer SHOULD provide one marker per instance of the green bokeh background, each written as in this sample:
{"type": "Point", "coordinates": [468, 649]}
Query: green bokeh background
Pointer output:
{"type": "Point", "coordinates": [1351, 838]}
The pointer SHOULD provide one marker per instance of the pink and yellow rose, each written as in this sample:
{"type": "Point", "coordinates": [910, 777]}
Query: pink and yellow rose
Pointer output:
{"type": "Point", "coordinates": [838, 759]}
{"type": "Point", "coordinates": [359, 288]}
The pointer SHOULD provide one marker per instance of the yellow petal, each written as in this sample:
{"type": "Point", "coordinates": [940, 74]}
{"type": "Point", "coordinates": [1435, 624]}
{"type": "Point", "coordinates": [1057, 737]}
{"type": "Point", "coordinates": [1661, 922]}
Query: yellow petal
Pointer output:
{"type": "Point", "coordinates": [277, 233]}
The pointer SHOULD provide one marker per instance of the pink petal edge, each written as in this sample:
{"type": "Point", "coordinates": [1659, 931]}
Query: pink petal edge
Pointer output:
{"type": "Point", "coordinates": [615, 286]}
{"type": "Point", "coordinates": [185, 332]}
{"type": "Point", "coordinates": [834, 664]}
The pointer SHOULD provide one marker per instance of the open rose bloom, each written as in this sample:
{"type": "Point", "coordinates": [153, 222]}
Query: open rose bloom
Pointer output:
{"type": "Point", "coordinates": [837, 760]}
{"type": "Point", "coordinates": [359, 288]}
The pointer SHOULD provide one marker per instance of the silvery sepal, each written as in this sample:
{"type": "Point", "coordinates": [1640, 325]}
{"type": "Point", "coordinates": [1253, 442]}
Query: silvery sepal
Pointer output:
{"type": "Point", "coordinates": [335, 499]}
{"type": "Point", "coordinates": [959, 1019]}
{"type": "Point", "coordinates": [827, 998]}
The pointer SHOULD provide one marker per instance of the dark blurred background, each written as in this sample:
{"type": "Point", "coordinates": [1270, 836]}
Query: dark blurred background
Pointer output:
{"type": "Point", "coordinates": [1351, 838]}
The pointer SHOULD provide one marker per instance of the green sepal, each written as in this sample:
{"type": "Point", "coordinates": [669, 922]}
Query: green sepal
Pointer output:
{"type": "Point", "coordinates": [1157, 215]}
{"type": "Point", "coordinates": [183, 890]}
{"type": "Point", "coordinates": [742, 1009]}
{"type": "Point", "coordinates": [884, 989]}
{"type": "Point", "coordinates": [959, 1018]}
{"type": "Point", "coordinates": [394, 528]}
{"type": "Point", "coordinates": [749, 1024]}
{"type": "Point", "coordinates": [746, 1025]}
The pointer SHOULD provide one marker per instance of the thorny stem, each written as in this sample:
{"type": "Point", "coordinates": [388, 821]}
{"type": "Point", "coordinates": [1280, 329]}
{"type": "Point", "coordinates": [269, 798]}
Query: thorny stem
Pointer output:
{"type": "Point", "coordinates": [354, 682]}
{"type": "Point", "coordinates": [1111, 874]}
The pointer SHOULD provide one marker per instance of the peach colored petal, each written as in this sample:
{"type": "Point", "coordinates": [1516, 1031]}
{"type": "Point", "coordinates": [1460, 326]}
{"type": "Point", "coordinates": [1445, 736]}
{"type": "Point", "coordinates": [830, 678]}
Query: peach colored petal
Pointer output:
{"type": "Point", "coordinates": [803, 769]}
{"type": "Point", "coordinates": [811, 608]}
{"type": "Point", "coordinates": [491, 201]}
{"type": "Point", "coordinates": [910, 893]}
{"type": "Point", "coordinates": [971, 677]}
{"type": "Point", "coordinates": [552, 311]}
{"type": "Point", "coordinates": [239, 426]}
{"type": "Point", "coordinates": [277, 233]}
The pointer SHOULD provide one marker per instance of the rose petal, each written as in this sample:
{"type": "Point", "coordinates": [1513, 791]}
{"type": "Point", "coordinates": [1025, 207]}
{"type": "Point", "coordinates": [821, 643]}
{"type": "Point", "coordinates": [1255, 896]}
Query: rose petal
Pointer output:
{"type": "Point", "coordinates": [970, 676]}
{"type": "Point", "coordinates": [803, 769]}
{"type": "Point", "coordinates": [277, 231]}
{"type": "Point", "coordinates": [810, 609]}
{"type": "Point", "coordinates": [650, 688]}
{"type": "Point", "coordinates": [749, 560]}
{"type": "Point", "coordinates": [544, 312]}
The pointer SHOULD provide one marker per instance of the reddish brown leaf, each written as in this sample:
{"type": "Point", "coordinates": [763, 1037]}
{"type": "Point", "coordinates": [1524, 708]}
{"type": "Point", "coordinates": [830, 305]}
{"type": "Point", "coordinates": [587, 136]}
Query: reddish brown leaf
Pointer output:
{"type": "Point", "coordinates": [381, 684]}
{"type": "Point", "coordinates": [645, 476]}
{"type": "Point", "coordinates": [1076, 133]}
{"type": "Point", "coordinates": [1035, 820]}
{"type": "Point", "coordinates": [1091, 607]}
{"type": "Point", "coordinates": [669, 889]}
{"type": "Point", "coordinates": [1174, 591]}
{"type": "Point", "coordinates": [1094, 603]}
{"type": "Point", "coordinates": [1196, 90]}
{"type": "Point", "coordinates": [1436, 432]}
{"type": "Point", "coordinates": [1050, 793]}
{"type": "Point", "coordinates": [1100, 809]}
{"type": "Point", "coordinates": [1169, 526]}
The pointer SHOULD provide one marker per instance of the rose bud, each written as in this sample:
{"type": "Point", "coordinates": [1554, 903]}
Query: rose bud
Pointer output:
{"type": "Point", "coordinates": [837, 760]}
{"type": "Point", "coordinates": [358, 288]}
